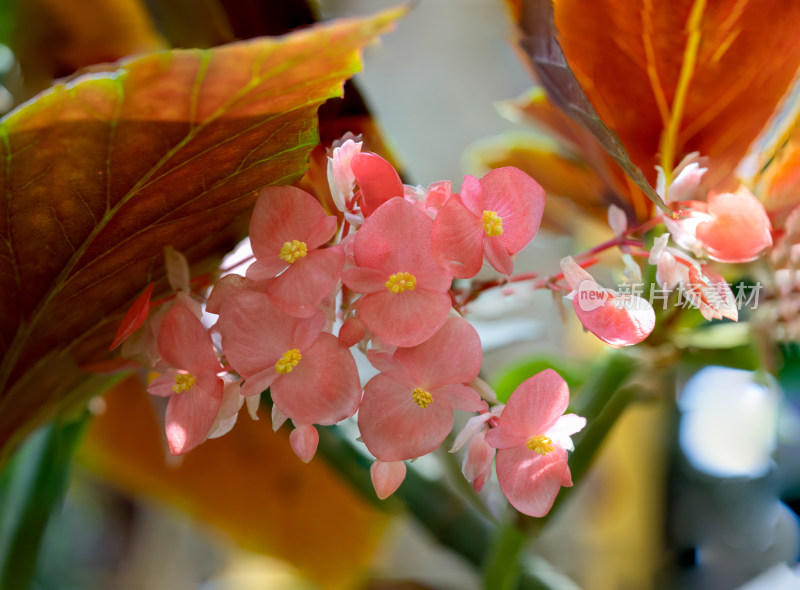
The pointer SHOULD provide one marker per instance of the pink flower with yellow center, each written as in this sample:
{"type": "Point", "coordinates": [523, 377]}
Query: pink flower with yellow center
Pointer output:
{"type": "Point", "coordinates": [192, 385]}
{"type": "Point", "coordinates": [286, 231]}
{"type": "Point", "coordinates": [407, 410]}
{"type": "Point", "coordinates": [312, 379]}
{"type": "Point", "coordinates": [532, 437]}
{"type": "Point", "coordinates": [497, 215]}
{"type": "Point", "coordinates": [406, 297]}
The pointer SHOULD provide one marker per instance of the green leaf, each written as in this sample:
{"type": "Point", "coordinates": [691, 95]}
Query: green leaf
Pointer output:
{"type": "Point", "coordinates": [31, 488]}
{"type": "Point", "coordinates": [539, 44]}
{"type": "Point", "coordinates": [98, 174]}
{"type": "Point", "coordinates": [510, 377]}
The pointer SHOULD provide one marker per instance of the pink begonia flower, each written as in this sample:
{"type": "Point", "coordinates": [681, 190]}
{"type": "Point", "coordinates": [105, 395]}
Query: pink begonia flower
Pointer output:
{"type": "Point", "coordinates": [377, 181]}
{"type": "Point", "coordinates": [738, 229]}
{"type": "Point", "coordinates": [532, 437]}
{"type": "Point", "coordinates": [617, 319]}
{"type": "Point", "coordinates": [192, 385]}
{"type": "Point", "coordinates": [731, 227]}
{"type": "Point", "coordinates": [407, 410]}
{"type": "Point", "coordinates": [497, 215]}
{"type": "Point", "coordinates": [687, 177]}
{"type": "Point", "coordinates": [340, 174]}
{"type": "Point", "coordinates": [286, 231]}
{"type": "Point", "coordinates": [387, 477]}
{"type": "Point", "coordinates": [406, 296]}
{"type": "Point", "coordinates": [312, 379]}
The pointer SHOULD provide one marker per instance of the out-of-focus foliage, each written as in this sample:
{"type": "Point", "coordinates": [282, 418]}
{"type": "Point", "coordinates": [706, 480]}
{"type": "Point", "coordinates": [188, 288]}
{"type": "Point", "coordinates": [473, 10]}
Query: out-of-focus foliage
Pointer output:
{"type": "Point", "coordinates": [108, 169]}
{"type": "Point", "coordinates": [249, 484]}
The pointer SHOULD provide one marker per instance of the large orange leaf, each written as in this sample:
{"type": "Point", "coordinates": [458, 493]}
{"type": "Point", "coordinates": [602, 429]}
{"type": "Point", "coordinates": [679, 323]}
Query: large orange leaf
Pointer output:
{"type": "Point", "coordinates": [675, 76]}
{"type": "Point", "coordinates": [249, 484]}
{"type": "Point", "coordinates": [99, 174]}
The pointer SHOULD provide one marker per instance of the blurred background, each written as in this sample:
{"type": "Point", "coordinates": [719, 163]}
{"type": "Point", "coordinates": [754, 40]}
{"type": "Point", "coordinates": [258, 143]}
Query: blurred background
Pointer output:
{"type": "Point", "coordinates": [697, 484]}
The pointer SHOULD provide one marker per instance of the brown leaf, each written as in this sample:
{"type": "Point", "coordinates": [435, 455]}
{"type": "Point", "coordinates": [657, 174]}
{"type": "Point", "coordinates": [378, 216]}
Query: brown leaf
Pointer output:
{"type": "Point", "coordinates": [248, 484]}
{"type": "Point", "coordinates": [672, 77]}
{"type": "Point", "coordinates": [539, 44]}
{"type": "Point", "coordinates": [101, 173]}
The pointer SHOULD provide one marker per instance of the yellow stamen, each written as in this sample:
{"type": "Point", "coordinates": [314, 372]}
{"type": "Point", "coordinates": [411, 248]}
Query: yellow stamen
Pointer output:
{"type": "Point", "coordinates": [492, 223]}
{"type": "Point", "coordinates": [421, 397]}
{"type": "Point", "coordinates": [401, 281]}
{"type": "Point", "coordinates": [288, 361]}
{"type": "Point", "coordinates": [291, 251]}
{"type": "Point", "coordinates": [541, 444]}
{"type": "Point", "coordinates": [184, 382]}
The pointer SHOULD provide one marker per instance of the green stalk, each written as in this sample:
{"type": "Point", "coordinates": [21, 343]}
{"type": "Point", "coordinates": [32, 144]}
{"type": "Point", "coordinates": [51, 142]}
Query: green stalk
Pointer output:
{"type": "Point", "coordinates": [32, 486]}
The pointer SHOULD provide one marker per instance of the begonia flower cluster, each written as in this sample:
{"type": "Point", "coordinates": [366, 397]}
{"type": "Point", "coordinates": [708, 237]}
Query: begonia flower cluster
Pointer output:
{"type": "Point", "coordinates": [378, 277]}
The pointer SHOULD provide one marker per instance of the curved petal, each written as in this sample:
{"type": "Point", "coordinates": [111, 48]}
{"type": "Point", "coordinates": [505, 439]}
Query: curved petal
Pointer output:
{"type": "Point", "coordinates": [162, 385]}
{"type": "Point", "coordinates": [255, 333]}
{"type": "Point", "coordinates": [304, 440]}
{"type": "Point", "coordinates": [258, 383]}
{"type": "Point", "coordinates": [391, 367]}
{"type": "Point", "coordinates": [618, 320]}
{"type": "Point", "coordinates": [307, 282]}
{"type": "Point", "coordinates": [458, 342]}
{"type": "Point", "coordinates": [460, 397]}
{"type": "Point", "coordinates": [282, 214]}
{"type": "Point", "coordinates": [478, 459]}
{"type": "Point", "coordinates": [497, 255]}
{"type": "Point", "coordinates": [457, 239]}
{"type": "Point", "coordinates": [532, 409]}
{"type": "Point", "coordinates": [184, 343]}
{"type": "Point", "coordinates": [362, 279]}
{"type": "Point", "coordinates": [323, 388]}
{"type": "Point", "coordinates": [377, 180]}
{"type": "Point", "coordinates": [225, 286]}
{"type": "Point", "coordinates": [387, 477]}
{"type": "Point", "coordinates": [263, 269]}
{"type": "Point", "coordinates": [407, 318]}
{"type": "Point", "coordinates": [739, 228]}
{"type": "Point", "coordinates": [397, 238]}
{"type": "Point", "coordinates": [394, 427]}
{"type": "Point", "coordinates": [190, 416]}
{"type": "Point", "coordinates": [472, 195]}
{"type": "Point", "coordinates": [519, 201]}
{"type": "Point", "coordinates": [531, 481]}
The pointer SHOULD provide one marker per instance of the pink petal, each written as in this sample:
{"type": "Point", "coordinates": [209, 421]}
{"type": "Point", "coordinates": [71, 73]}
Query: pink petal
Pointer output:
{"type": "Point", "coordinates": [472, 196]}
{"type": "Point", "coordinates": [323, 388]}
{"type": "Point", "coordinates": [478, 459]}
{"type": "Point", "coordinates": [364, 280]}
{"type": "Point", "coordinates": [497, 255]}
{"type": "Point", "coordinates": [321, 233]}
{"type": "Point", "coordinates": [531, 410]}
{"type": "Point", "coordinates": [352, 332]}
{"type": "Point", "coordinates": [739, 228]}
{"type": "Point", "coordinates": [574, 274]}
{"type": "Point", "coordinates": [255, 334]}
{"type": "Point", "coordinates": [518, 200]}
{"type": "Point", "coordinates": [377, 180]}
{"type": "Point", "coordinates": [531, 481]}
{"type": "Point", "coordinates": [458, 342]}
{"type": "Point", "coordinates": [283, 214]}
{"type": "Point", "coordinates": [304, 285]}
{"type": "Point", "coordinates": [407, 318]}
{"type": "Point", "coordinates": [471, 428]}
{"type": "Point", "coordinates": [134, 317]}
{"type": "Point", "coordinates": [162, 385]}
{"type": "Point", "coordinates": [304, 440]}
{"type": "Point", "coordinates": [620, 320]}
{"type": "Point", "coordinates": [223, 288]}
{"type": "Point", "coordinates": [265, 268]}
{"type": "Point", "coordinates": [394, 427]}
{"type": "Point", "coordinates": [457, 239]}
{"type": "Point", "coordinates": [387, 477]}
{"type": "Point", "coordinates": [397, 238]}
{"type": "Point", "coordinates": [460, 397]}
{"type": "Point", "coordinates": [391, 367]}
{"type": "Point", "coordinates": [184, 343]}
{"type": "Point", "coordinates": [258, 383]}
{"type": "Point", "coordinates": [190, 416]}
